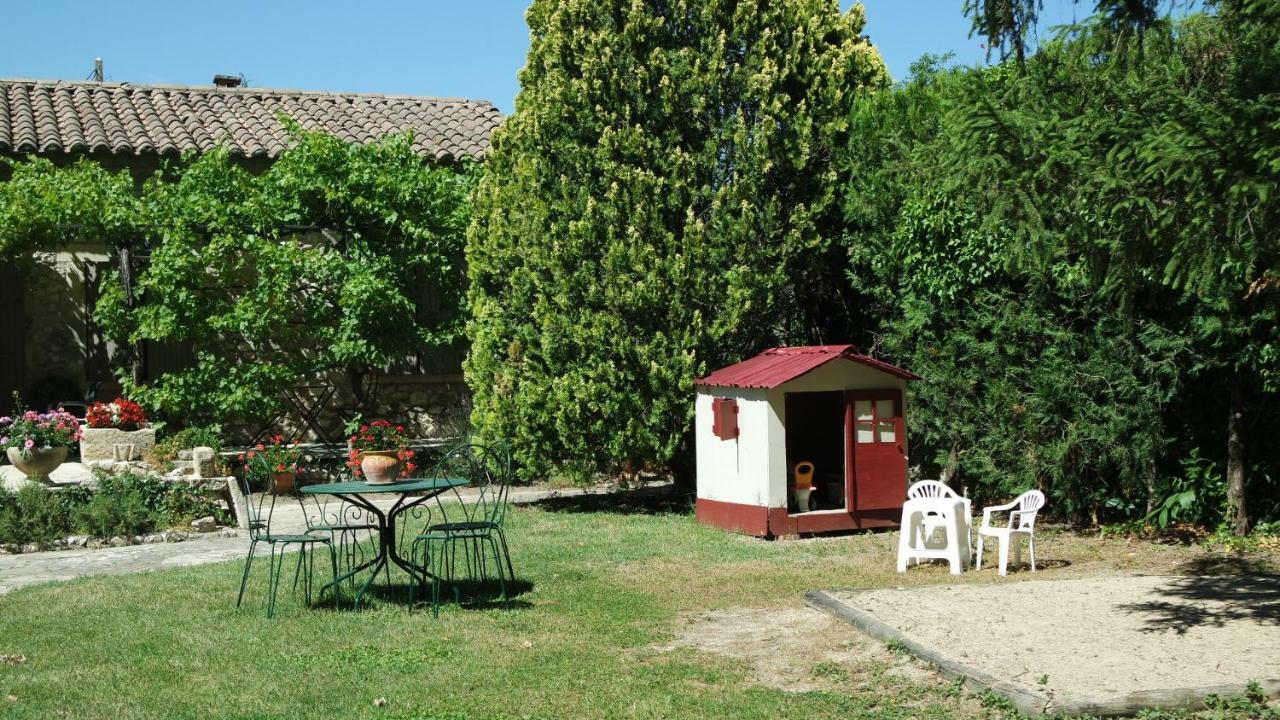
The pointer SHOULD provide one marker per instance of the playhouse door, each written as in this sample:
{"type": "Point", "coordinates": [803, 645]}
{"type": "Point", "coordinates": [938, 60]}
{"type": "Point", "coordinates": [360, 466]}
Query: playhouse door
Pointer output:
{"type": "Point", "coordinates": [875, 436]}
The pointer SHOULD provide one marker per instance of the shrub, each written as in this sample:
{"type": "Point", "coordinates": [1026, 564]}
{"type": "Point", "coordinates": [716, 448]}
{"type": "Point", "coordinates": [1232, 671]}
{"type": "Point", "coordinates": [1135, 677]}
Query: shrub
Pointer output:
{"type": "Point", "coordinates": [122, 505]}
{"type": "Point", "coordinates": [166, 449]}
{"type": "Point", "coordinates": [33, 515]}
{"type": "Point", "coordinates": [167, 503]}
{"type": "Point", "coordinates": [110, 513]}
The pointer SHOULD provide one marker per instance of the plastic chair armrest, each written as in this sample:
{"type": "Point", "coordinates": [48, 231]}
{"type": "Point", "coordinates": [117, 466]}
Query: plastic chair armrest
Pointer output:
{"type": "Point", "coordinates": [1017, 514]}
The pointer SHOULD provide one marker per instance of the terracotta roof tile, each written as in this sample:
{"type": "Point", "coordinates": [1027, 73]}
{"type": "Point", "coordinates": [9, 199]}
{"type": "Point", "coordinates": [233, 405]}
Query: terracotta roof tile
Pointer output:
{"type": "Point", "coordinates": [53, 117]}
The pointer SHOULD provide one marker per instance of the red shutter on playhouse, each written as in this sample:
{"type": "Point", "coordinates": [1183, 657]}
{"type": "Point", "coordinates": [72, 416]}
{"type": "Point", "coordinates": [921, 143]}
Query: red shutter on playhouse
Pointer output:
{"type": "Point", "coordinates": [724, 413]}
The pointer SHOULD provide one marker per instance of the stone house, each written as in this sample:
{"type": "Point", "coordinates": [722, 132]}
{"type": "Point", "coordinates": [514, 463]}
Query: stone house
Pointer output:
{"type": "Point", "coordinates": [50, 349]}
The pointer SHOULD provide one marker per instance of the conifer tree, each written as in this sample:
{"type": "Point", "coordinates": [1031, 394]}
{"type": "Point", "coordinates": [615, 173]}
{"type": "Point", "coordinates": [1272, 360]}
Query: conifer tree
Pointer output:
{"type": "Point", "coordinates": [652, 208]}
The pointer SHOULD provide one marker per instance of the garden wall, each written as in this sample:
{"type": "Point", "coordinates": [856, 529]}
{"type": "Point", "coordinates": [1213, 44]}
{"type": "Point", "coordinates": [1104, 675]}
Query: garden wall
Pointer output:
{"type": "Point", "coordinates": [434, 407]}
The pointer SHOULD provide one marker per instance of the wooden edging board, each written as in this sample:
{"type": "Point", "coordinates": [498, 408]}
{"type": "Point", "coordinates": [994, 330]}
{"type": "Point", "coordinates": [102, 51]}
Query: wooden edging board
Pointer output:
{"type": "Point", "coordinates": [1025, 699]}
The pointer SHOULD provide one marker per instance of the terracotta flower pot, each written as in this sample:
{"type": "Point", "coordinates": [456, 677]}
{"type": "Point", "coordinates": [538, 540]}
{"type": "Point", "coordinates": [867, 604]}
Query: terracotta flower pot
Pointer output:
{"type": "Point", "coordinates": [380, 467]}
{"type": "Point", "coordinates": [284, 482]}
{"type": "Point", "coordinates": [38, 462]}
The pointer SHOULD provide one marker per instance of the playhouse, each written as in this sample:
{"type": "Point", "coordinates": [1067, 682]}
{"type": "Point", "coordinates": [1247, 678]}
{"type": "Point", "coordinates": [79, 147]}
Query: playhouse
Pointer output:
{"type": "Point", "coordinates": [802, 440]}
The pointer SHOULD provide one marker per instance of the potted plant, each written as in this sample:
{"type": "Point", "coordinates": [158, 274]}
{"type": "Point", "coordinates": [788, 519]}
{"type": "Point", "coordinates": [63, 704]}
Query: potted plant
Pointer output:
{"type": "Point", "coordinates": [276, 462]}
{"type": "Point", "coordinates": [116, 431]}
{"type": "Point", "coordinates": [37, 443]}
{"type": "Point", "coordinates": [379, 452]}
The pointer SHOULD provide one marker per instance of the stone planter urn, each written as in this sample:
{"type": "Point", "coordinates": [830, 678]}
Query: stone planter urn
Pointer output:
{"type": "Point", "coordinates": [38, 462]}
{"type": "Point", "coordinates": [114, 445]}
{"type": "Point", "coordinates": [380, 467]}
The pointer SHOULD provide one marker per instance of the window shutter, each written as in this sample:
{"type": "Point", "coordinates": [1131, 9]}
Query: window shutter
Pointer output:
{"type": "Point", "coordinates": [724, 421]}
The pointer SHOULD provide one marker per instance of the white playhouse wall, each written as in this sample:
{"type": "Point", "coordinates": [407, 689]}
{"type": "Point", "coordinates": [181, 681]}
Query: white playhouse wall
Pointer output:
{"type": "Point", "coordinates": [752, 470]}
{"type": "Point", "coordinates": [739, 470]}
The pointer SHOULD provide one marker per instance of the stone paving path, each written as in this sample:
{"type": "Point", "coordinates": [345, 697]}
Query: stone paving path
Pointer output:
{"type": "Point", "coordinates": [22, 570]}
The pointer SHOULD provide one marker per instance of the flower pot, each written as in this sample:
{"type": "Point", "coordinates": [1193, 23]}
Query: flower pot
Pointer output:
{"type": "Point", "coordinates": [380, 467]}
{"type": "Point", "coordinates": [802, 499]}
{"type": "Point", "coordinates": [38, 462]}
{"type": "Point", "coordinates": [114, 445]}
{"type": "Point", "coordinates": [283, 483]}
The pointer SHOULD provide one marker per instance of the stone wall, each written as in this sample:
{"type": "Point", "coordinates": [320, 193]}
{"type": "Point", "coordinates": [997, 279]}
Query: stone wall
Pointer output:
{"type": "Point", "coordinates": [61, 345]}
{"type": "Point", "coordinates": [434, 407]}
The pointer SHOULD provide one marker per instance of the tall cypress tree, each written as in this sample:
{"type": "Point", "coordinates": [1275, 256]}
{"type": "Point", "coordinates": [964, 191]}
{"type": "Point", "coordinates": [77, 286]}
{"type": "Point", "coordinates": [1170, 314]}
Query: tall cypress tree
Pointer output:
{"type": "Point", "coordinates": [650, 210]}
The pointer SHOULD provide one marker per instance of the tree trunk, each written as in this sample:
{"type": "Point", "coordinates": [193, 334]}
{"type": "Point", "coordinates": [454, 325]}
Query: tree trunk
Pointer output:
{"type": "Point", "coordinates": [684, 466]}
{"type": "Point", "coordinates": [356, 376]}
{"type": "Point", "coordinates": [1237, 513]}
{"type": "Point", "coordinates": [131, 351]}
{"type": "Point", "coordinates": [1152, 501]}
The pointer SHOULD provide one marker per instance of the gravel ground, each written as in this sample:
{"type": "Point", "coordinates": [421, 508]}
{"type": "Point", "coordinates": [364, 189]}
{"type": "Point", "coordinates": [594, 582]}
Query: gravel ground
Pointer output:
{"type": "Point", "coordinates": [1097, 638]}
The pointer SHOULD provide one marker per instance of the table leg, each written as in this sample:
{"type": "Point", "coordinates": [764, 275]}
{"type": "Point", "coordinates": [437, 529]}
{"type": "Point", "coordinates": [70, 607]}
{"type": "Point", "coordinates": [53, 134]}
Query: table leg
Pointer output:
{"type": "Point", "coordinates": [387, 554]}
{"type": "Point", "coordinates": [414, 572]}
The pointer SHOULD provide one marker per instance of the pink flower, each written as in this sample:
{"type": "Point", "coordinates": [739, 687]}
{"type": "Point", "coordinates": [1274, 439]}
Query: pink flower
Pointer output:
{"type": "Point", "coordinates": [29, 443]}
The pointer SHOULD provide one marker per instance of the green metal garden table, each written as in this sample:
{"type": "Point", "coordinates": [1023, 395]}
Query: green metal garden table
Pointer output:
{"type": "Point", "coordinates": [356, 493]}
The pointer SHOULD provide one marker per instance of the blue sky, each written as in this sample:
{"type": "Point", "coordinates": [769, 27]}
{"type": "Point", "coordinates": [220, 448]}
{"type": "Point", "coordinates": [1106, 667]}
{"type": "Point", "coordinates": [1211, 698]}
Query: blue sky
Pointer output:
{"type": "Point", "coordinates": [410, 47]}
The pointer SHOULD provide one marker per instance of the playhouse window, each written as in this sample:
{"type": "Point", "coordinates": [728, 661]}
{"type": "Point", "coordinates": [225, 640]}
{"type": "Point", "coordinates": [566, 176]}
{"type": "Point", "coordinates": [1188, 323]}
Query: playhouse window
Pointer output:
{"type": "Point", "coordinates": [873, 421]}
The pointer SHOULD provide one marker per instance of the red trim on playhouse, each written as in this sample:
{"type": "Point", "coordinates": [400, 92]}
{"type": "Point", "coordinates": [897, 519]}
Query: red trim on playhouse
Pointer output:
{"type": "Point", "coordinates": [774, 367]}
{"type": "Point", "coordinates": [769, 522]}
{"type": "Point", "coordinates": [736, 517]}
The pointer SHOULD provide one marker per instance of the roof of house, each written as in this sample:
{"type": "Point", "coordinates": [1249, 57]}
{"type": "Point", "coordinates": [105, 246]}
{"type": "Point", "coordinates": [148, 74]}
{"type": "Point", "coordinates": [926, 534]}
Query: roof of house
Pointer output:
{"type": "Point", "coordinates": [774, 367]}
{"type": "Point", "coordinates": [60, 117]}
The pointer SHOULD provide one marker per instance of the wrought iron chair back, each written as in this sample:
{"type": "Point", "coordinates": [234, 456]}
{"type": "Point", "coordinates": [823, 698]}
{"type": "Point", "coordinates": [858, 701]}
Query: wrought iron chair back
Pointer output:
{"type": "Point", "coordinates": [324, 512]}
{"type": "Point", "coordinates": [471, 527]}
{"type": "Point", "coordinates": [488, 473]}
{"type": "Point", "coordinates": [261, 507]}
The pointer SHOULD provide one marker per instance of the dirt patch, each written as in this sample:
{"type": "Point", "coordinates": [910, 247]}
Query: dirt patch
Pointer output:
{"type": "Point", "coordinates": [797, 649]}
{"type": "Point", "coordinates": [1100, 639]}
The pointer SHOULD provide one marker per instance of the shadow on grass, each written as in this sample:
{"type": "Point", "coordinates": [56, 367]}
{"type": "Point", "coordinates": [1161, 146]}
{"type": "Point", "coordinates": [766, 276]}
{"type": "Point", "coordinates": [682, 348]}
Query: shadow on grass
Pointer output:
{"type": "Point", "coordinates": [664, 500]}
{"type": "Point", "coordinates": [992, 562]}
{"type": "Point", "coordinates": [1213, 592]}
{"type": "Point", "coordinates": [470, 594]}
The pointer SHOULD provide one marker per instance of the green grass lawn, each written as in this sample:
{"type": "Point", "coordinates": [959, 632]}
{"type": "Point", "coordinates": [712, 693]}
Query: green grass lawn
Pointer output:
{"type": "Point", "coordinates": [592, 636]}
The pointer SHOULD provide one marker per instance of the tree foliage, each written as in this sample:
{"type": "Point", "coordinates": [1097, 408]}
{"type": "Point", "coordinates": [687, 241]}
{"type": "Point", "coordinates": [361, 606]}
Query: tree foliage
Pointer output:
{"type": "Point", "coordinates": [314, 266]}
{"type": "Point", "coordinates": [1085, 240]}
{"type": "Point", "coordinates": [43, 206]}
{"type": "Point", "coordinates": [659, 202]}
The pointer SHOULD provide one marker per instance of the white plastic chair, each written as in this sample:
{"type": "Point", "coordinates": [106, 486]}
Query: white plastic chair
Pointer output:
{"type": "Point", "coordinates": [932, 521]}
{"type": "Point", "coordinates": [1022, 521]}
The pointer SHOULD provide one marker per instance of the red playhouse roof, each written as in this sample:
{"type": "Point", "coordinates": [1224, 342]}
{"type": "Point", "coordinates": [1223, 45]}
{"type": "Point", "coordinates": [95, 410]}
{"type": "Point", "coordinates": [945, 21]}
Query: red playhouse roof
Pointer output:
{"type": "Point", "coordinates": [772, 368]}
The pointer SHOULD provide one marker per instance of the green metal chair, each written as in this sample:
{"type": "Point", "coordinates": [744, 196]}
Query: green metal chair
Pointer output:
{"type": "Point", "coordinates": [344, 524]}
{"type": "Point", "coordinates": [261, 512]}
{"type": "Point", "coordinates": [473, 524]}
